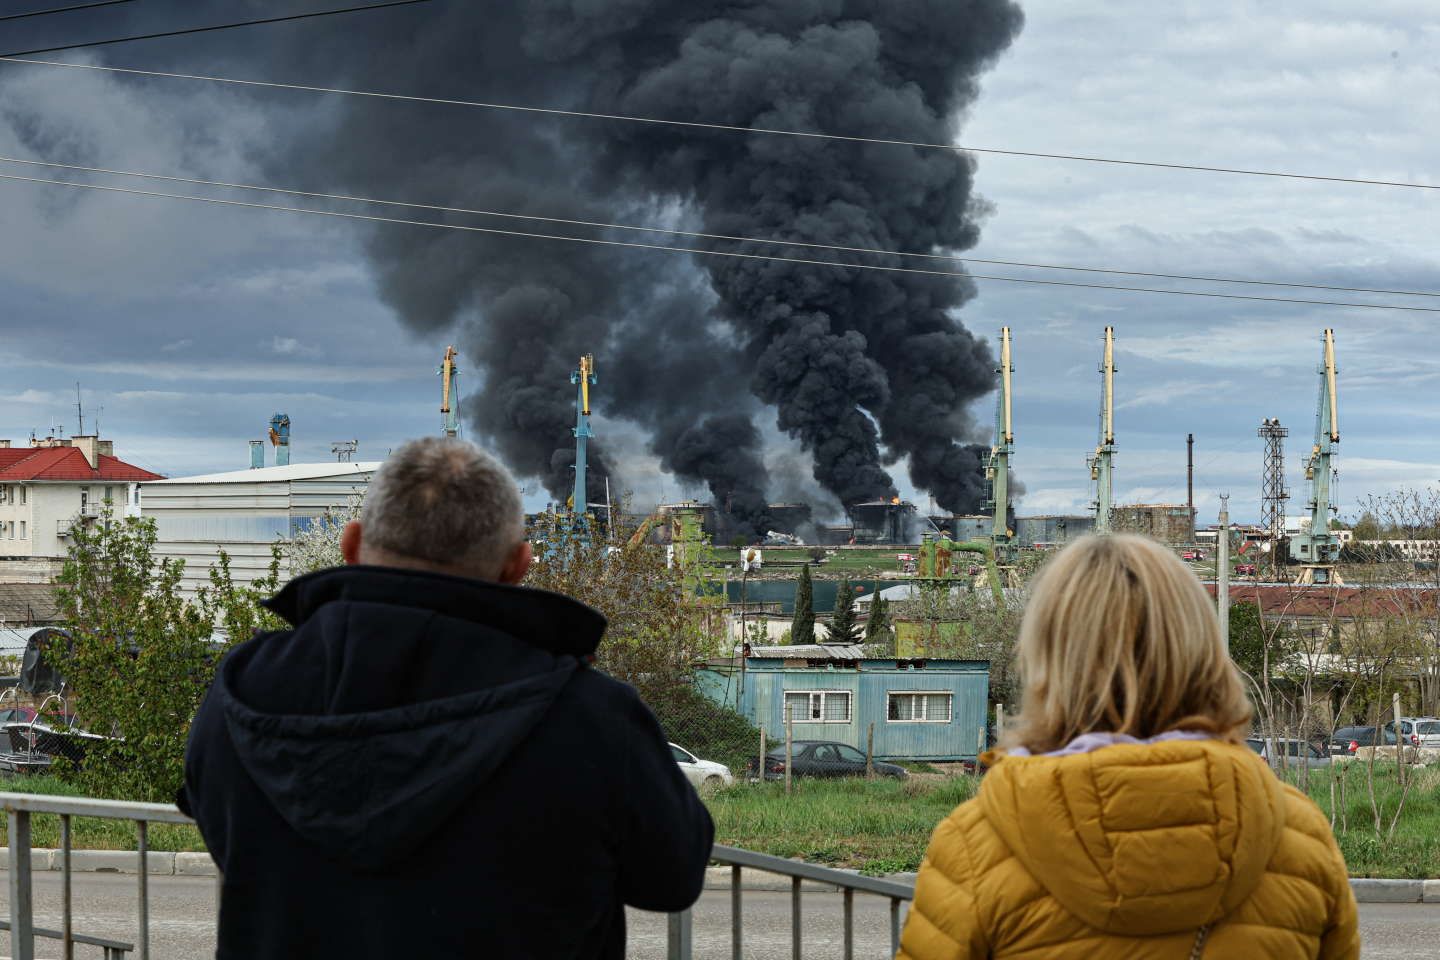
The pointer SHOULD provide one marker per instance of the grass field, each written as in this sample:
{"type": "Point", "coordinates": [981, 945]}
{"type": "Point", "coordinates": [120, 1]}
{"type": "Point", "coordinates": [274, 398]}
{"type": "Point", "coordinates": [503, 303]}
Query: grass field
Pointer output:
{"type": "Point", "coordinates": [853, 561]}
{"type": "Point", "coordinates": [883, 826]}
{"type": "Point", "coordinates": [88, 833]}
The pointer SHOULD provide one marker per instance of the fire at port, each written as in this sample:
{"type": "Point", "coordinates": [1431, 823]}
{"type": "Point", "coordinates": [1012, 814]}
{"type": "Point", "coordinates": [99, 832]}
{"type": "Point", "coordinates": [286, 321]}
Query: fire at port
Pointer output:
{"type": "Point", "coordinates": [714, 368]}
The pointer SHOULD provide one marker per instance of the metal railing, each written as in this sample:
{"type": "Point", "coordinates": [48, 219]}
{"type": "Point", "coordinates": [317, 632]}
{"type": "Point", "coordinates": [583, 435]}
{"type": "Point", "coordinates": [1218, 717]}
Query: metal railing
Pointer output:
{"type": "Point", "coordinates": [19, 808]}
{"type": "Point", "coordinates": [681, 925]}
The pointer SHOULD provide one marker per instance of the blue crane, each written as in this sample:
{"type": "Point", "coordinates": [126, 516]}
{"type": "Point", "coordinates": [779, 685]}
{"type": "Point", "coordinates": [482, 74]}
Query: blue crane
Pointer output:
{"type": "Point", "coordinates": [584, 377]}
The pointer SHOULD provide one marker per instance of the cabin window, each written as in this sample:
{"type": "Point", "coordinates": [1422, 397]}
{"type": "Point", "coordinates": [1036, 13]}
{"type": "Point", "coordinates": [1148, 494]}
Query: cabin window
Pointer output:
{"type": "Point", "coordinates": [818, 706]}
{"type": "Point", "coordinates": [917, 707]}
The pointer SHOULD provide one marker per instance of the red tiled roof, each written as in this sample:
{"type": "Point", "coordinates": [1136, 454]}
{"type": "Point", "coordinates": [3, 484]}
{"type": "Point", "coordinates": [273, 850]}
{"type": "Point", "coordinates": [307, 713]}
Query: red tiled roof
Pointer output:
{"type": "Point", "coordinates": [66, 463]}
{"type": "Point", "coordinates": [1334, 600]}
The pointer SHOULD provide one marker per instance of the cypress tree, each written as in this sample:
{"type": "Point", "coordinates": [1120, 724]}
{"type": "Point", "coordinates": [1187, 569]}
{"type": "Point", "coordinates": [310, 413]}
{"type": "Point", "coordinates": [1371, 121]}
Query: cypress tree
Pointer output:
{"type": "Point", "coordinates": [802, 627]}
{"type": "Point", "coordinates": [844, 624]}
{"type": "Point", "coordinates": [877, 627]}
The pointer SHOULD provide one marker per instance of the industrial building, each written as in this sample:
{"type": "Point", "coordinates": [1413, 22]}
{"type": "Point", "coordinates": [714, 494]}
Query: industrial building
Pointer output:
{"type": "Point", "coordinates": [883, 521]}
{"type": "Point", "coordinates": [1170, 523]}
{"type": "Point", "coordinates": [1052, 530]}
{"type": "Point", "coordinates": [920, 709]}
{"type": "Point", "coordinates": [245, 513]}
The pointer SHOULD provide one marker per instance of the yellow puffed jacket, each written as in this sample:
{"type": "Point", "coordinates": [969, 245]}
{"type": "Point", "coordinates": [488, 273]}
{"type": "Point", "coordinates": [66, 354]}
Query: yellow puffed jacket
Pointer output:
{"type": "Point", "coordinates": [1128, 852]}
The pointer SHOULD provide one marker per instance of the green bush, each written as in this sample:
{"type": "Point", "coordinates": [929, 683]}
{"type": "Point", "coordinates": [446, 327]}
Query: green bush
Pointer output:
{"type": "Point", "coordinates": [705, 728]}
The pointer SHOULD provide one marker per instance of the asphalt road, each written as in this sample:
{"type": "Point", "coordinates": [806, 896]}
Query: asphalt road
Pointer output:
{"type": "Point", "coordinates": [182, 913]}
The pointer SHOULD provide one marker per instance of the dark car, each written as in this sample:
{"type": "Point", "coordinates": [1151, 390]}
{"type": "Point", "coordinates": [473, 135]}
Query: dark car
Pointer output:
{"type": "Point", "coordinates": [1349, 739]}
{"type": "Point", "coordinates": [822, 758]}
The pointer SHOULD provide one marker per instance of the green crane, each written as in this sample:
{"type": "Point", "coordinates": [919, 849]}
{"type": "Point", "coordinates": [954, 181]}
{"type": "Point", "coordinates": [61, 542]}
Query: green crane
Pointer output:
{"type": "Point", "coordinates": [997, 464]}
{"type": "Point", "coordinates": [1102, 462]}
{"type": "Point", "coordinates": [1319, 548]}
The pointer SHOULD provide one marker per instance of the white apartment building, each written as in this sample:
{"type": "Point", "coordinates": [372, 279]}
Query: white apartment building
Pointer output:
{"type": "Point", "coordinates": [49, 486]}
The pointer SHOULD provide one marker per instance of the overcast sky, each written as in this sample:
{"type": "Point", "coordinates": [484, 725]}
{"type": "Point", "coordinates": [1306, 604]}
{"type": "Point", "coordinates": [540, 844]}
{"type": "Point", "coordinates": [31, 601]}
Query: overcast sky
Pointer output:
{"type": "Point", "coordinates": [190, 325]}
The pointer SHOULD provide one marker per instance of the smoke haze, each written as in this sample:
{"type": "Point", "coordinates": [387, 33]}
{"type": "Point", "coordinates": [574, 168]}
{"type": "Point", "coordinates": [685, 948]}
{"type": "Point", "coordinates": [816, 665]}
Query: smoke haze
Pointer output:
{"type": "Point", "coordinates": [862, 368]}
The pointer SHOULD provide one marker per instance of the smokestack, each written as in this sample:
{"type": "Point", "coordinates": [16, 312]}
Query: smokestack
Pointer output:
{"type": "Point", "coordinates": [257, 454]}
{"type": "Point", "coordinates": [1190, 480]}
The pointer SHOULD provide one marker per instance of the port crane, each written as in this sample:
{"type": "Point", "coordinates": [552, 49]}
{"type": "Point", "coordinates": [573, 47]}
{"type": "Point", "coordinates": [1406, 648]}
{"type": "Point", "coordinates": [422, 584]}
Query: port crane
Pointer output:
{"type": "Point", "coordinates": [997, 464]}
{"type": "Point", "coordinates": [583, 377]}
{"type": "Point", "coordinates": [450, 391]}
{"type": "Point", "coordinates": [1101, 464]}
{"type": "Point", "coordinates": [1317, 549]}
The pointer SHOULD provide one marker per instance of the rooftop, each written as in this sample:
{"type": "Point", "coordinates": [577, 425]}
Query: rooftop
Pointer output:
{"type": "Point", "coordinates": [294, 471]}
{"type": "Point", "coordinates": [26, 464]}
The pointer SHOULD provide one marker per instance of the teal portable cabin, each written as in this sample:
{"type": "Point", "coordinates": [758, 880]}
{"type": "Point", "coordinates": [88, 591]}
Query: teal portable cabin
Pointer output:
{"type": "Point", "coordinates": [926, 709]}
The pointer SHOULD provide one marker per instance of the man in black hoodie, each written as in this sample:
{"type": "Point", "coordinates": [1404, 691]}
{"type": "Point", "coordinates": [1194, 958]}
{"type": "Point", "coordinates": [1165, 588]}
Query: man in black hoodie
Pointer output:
{"type": "Point", "coordinates": [425, 765]}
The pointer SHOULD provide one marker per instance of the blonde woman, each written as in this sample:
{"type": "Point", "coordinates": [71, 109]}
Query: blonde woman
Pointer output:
{"type": "Point", "coordinates": [1124, 816]}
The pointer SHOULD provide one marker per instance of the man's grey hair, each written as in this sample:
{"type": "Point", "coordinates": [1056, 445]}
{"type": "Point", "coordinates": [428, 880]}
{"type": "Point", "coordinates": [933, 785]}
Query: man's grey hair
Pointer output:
{"type": "Point", "coordinates": [446, 502]}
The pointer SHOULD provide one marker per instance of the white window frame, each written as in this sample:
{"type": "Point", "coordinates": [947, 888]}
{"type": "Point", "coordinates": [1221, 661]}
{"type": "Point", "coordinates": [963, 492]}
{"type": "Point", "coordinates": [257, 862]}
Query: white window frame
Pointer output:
{"type": "Point", "coordinates": [950, 704]}
{"type": "Point", "coordinates": [849, 699]}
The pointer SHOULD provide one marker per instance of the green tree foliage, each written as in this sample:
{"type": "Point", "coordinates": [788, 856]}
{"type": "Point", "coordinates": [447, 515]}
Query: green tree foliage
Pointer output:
{"type": "Point", "coordinates": [1247, 638]}
{"type": "Point", "coordinates": [140, 656]}
{"type": "Point", "coordinates": [1367, 527]}
{"type": "Point", "coordinates": [663, 620]}
{"type": "Point", "coordinates": [877, 627]}
{"type": "Point", "coordinates": [802, 626]}
{"type": "Point", "coordinates": [845, 622]}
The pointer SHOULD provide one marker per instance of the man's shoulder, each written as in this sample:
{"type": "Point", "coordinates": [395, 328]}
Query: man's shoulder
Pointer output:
{"type": "Point", "coordinates": [600, 688]}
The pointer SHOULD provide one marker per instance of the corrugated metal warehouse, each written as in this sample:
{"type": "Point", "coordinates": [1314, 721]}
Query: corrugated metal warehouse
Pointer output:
{"type": "Point", "coordinates": [245, 512]}
{"type": "Point", "coordinates": [921, 709]}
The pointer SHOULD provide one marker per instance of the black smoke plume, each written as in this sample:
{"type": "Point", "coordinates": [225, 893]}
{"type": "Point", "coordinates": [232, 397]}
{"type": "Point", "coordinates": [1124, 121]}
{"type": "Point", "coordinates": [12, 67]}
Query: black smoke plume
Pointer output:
{"type": "Point", "coordinates": [863, 367]}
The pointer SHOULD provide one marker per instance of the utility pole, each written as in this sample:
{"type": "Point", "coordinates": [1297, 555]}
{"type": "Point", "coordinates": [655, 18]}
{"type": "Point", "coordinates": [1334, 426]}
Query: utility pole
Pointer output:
{"type": "Point", "coordinates": [1222, 570]}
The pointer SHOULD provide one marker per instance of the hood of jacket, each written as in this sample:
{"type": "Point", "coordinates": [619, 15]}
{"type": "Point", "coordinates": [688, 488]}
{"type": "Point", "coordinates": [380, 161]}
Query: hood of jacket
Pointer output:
{"type": "Point", "coordinates": [396, 695]}
{"type": "Point", "coordinates": [1140, 839]}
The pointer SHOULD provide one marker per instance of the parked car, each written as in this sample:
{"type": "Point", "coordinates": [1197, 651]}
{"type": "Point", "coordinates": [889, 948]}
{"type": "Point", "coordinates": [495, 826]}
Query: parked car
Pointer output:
{"type": "Point", "coordinates": [17, 715]}
{"type": "Point", "coordinates": [701, 772]}
{"type": "Point", "coordinates": [1420, 731]}
{"type": "Point", "coordinates": [1245, 569]}
{"type": "Point", "coordinates": [822, 758]}
{"type": "Point", "coordinates": [1193, 555]}
{"type": "Point", "coordinates": [1286, 752]}
{"type": "Point", "coordinates": [1347, 740]}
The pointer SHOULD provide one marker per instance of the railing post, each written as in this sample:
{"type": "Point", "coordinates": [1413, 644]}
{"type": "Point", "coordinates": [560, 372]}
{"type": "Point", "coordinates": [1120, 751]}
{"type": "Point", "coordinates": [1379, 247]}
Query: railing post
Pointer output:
{"type": "Point", "coordinates": [849, 924]}
{"type": "Point", "coordinates": [737, 925]}
{"type": "Point", "coordinates": [68, 929]}
{"type": "Point", "coordinates": [142, 837]}
{"type": "Point", "coordinates": [795, 951]}
{"type": "Point", "coordinates": [678, 936]}
{"type": "Point", "coordinates": [22, 921]}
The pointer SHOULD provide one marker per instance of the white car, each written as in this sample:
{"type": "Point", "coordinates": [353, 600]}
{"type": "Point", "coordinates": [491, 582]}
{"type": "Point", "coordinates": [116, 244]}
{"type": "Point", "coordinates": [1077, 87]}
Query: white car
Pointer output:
{"type": "Point", "coordinates": [1420, 731]}
{"type": "Point", "coordinates": [701, 772]}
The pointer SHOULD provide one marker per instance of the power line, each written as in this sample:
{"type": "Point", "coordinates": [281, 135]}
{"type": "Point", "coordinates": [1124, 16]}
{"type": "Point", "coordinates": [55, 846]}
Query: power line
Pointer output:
{"type": "Point", "coordinates": [218, 26]}
{"type": "Point", "coordinates": [732, 128]}
{"type": "Point", "coordinates": [635, 245]}
{"type": "Point", "coordinates": [706, 236]}
{"type": "Point", "coordinates": [78, 6]}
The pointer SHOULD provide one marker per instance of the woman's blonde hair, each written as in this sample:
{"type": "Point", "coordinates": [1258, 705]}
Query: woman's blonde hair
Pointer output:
{"type": "Point", "coordinates": [1120, 637]}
